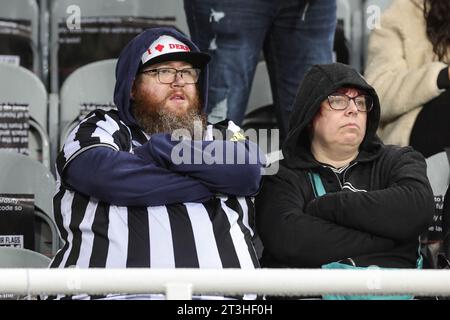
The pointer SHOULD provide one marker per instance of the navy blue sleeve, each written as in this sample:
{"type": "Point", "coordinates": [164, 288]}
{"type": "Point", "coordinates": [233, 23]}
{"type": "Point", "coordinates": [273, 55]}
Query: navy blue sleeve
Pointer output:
{"type": "Point", "coordinates": [228, 167]}
{"type": "Point", "coordinates": [125, 179]}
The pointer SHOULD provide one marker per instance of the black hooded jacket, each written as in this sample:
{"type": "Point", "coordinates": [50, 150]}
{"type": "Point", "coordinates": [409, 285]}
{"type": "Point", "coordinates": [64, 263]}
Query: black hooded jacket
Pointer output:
{"type": "Point", "coordinates": [376, 221]}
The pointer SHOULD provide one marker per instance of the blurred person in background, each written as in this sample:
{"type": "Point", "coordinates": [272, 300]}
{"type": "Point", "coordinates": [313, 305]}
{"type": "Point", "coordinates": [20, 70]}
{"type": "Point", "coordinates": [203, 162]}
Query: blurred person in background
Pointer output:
{"type": "Point", "coordinates": [293, 34]}
{"type": "Point", "coordinates": [408, 64]}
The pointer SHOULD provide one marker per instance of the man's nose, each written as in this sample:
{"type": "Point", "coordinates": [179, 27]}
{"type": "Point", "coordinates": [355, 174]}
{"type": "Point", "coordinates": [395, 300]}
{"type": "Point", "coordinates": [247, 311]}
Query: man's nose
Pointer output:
{"type": "Point", "coordinates": [179, 81]}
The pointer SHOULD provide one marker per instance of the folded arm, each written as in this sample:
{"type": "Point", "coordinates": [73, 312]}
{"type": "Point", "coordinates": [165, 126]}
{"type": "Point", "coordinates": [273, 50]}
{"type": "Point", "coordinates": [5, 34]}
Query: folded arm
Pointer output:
{"type": "Point", "coordinates": [401, 211]}
{"type": "Point", "coordinates": [227, 167]}
{"type": "Point", "coordinates": [125, 179]}
{"type": "Point", "coordinates": [293, 236]}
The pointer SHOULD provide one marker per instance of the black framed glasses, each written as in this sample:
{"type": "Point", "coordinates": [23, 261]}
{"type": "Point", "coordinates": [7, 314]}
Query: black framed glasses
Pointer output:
{"type": "Point", "coordinates": [338, 101]}
{"type": "Point", "coordinates": [169, 75]}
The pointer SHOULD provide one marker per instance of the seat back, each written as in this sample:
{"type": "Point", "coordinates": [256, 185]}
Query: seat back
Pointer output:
{"type": "Point", "coordinates": [260, 93]}
{"type": "Point", "coordinates": [88, 88]}
{"type": "Point", "coordinates": [444, 262]}
{"type": "Point", "coordinates": [20, 86]}
{"type": "Point", "coordinates": [23, 175]}
{"type": "Point", "coordinates": [84, 31]}
{"type": "Point", "coordinates": [22, 258]}
{"type": "Point", "coordinates": [260, 113]}
{"type": "Point", "coordinates": [343, 33]}
{"type": "Point", "coordinates": [19, 35]}
{"type": "Point", "coordinates": [438, 172]}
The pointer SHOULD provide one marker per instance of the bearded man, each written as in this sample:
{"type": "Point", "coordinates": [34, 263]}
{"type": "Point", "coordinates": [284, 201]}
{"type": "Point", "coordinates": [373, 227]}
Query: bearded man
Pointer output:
{"type": "Point", "coordinates": [123, 202]}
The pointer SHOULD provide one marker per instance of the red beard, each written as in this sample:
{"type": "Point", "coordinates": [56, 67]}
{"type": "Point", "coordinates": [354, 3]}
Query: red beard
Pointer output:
{"type": "Point", "coordinates": [152, 117]}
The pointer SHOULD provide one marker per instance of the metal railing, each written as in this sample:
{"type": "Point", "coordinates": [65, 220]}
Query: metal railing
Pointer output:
{"type": "Point", "coordinates": [183, 283]}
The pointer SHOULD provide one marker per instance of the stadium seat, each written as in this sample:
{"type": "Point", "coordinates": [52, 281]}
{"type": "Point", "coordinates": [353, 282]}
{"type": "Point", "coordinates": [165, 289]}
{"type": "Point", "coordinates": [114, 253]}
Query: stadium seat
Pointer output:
{"type": "Point", "coordinates": [438, 172]}
{"type": "Point", "coordinates": [84, 31]}
{"type": "Point", "coordinates": [342, 37]}
{"type": "Point", "coordinates": [22, 258]}
{"type": "Point", "coordinates": [19, 85]}
{"type": "Point", "coordinates": [260, 93]}
{"type": "Point", "coordinates": [260, 113]}
{"type": "Point", "coordinates": [89, 87]}
{"type": "Point", "coordinates": [19, 34]}
{"type": "Point", "coordinates": [444, 261]}
{"type": "Point", "coordinates": [21, 175]}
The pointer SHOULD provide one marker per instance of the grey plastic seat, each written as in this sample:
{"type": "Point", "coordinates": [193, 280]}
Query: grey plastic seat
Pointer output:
{"type": "Point", "coordinates": [260, 113]}
{"type": "Point", "coordinates": [162, 10]}
{"type": "Point", "coordinates": [438, 172]}
{"type": "Point", "coordinates": [27, 11]}
{"type": "Point", "coordinates": [260, 93]}
{"type": "Point", "coordinates": [22, 258]}
{"type": "Point", "coordinates": [19, 85]}
{"type": "Point", "coordinates": [91, 84]}
{"type": "Point", "coordinates": [344, 13]}
{"type": "Point", "coordinates": [21, 174]}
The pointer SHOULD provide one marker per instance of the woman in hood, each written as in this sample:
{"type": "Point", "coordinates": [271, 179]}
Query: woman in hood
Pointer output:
{"type": "Point", "coordinates": [342, 196]}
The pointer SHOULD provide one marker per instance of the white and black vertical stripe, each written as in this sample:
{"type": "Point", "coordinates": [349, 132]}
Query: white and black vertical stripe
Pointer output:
{"type": "Point", "coordinates": [138, 238]}
{"type": "Point", "coordinates": [221, 227]}
{"type": "Point", "coordinates": [234, 204]}
{"type": "Point", "coordinates": [79, 206]}
{"type": "Point", "coordinates": [87, 238]}
{"type": "Point", "coordinates": [185, 252]}
{"type": "Point", "coordinates": [100, 231]}
{"type": "Point", "coordinates": [56, 262]}
{"type": "Point", "coordinates": [118, 235]}
{"type": "Point", "coordinates": [240, 241]}
{"type": "Point", "coordinates": [205, 241]}
{"type": "Point", "coordinates": [161, 244]}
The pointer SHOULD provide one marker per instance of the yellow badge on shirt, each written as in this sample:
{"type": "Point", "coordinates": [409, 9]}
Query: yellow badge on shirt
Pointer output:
{"type": "Point", "coordinates": [237, 136]}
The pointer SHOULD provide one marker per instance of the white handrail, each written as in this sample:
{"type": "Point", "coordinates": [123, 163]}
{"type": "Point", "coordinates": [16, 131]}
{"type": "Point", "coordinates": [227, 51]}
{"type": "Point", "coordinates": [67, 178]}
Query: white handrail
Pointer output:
{"type": "Point", "coordinates": [228, 281]}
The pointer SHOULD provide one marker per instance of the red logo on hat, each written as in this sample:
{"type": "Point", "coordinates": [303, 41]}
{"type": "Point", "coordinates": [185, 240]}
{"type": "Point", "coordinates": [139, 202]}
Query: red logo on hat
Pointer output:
{"type": "Point", "coordinates": [159, 47]}
{"type": "Point", "coordinates": [178, 46]}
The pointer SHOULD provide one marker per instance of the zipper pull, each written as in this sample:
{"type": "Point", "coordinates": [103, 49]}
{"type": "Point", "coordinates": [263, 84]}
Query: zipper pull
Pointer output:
{"type": "Point", "coordinates": [305, 10]}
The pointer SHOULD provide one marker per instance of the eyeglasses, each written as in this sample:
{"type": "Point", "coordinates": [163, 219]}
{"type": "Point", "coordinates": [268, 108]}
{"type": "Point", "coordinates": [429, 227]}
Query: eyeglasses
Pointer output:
{"type": "Point", "coordinates": [337, 101]}
{"type": "Point", "coordinates": [169, 75]}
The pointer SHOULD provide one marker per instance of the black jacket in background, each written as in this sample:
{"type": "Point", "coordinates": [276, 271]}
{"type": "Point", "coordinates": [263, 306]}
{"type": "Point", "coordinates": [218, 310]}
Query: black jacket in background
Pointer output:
{"type": "Point", "coordinates": [378, 223]}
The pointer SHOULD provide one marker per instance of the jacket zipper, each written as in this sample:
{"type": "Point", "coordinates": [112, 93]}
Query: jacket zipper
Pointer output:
{"type": "Point", "coordinates": [346, 170]}
{"type": "Point", "coordinates": [343, 180]}
{"type": "Point", "coordinates": [343, 174]}
{"type": "Point", "coordinates": [305, 10]}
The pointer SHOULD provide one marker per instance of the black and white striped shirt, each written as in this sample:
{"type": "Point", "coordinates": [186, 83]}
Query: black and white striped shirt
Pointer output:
{"type": "Point", "coordinates": [214, 234]}
{"type": "Point", "coordinates": [217, 233]}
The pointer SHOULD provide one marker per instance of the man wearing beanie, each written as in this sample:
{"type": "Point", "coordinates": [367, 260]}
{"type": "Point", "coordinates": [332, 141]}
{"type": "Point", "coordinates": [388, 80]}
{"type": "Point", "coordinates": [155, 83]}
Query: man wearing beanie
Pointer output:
{"type": "Point", "coordinates": [130, 195]}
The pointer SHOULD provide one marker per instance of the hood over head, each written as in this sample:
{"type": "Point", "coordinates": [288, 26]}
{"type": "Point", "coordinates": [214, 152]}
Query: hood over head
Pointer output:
{"type": "Point", "coordinates": [152, 46]}
{"type": "Point", "coordinates": [318, 83]}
